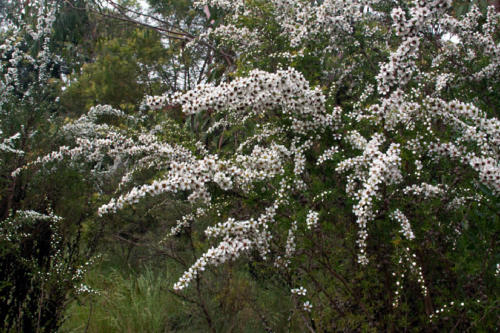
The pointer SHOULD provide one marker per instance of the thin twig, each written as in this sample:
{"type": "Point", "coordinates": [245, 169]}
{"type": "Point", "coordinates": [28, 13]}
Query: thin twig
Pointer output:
{"type": "Point", "coordinates": [172, 34]}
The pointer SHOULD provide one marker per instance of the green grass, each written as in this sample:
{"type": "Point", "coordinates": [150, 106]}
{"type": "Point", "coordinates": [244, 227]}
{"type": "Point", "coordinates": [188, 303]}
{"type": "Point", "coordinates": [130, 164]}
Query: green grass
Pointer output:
{"type": "Point", "coordinates": [127, 302]}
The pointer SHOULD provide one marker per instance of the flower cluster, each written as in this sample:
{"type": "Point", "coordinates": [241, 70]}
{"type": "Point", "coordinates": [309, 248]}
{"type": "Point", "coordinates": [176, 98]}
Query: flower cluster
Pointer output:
{"type": "Point", "coordinates": [254, 95]}
{"type": "Point", "coordinates": [225, 251]}
{"type": "Point", "coordinates": [401, 65]}
{"type": "Point", "coordinates": [289, 248]}
{"type": "Point", "coordinates": [425, 190]}
{"type": "Point", "coordinates": [228, 35]}
{"type": "Point", "coordinates": [238, 237]}
{"type": "Point", "coordinates": [312, 219]}
{"type": "Point", "coordinates": [445, 309]}
{"type": "Point", "coordinates": [371, 169]}
{"type": "Point", "coordinates": [407, 265]}
{"type": "Point", "coordinates": [398, 216]}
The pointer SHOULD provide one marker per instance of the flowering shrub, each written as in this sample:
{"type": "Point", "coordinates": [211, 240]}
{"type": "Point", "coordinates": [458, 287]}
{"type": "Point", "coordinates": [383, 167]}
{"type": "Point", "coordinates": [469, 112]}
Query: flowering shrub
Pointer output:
{"type": "Point", "coordinates": [26, 93]}
{"type": "Point", "coordinates": [38, 269]}
{"type": "Point", "coordinates": [358, 159]}
{"type": "Point", "coordinates": [40, 259]}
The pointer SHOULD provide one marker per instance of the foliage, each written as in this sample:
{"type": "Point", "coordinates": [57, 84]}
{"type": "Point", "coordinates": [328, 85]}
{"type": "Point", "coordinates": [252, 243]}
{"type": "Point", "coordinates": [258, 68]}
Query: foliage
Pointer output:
{"type": "Point", "coordinates": [120, 74]}
{"type": "Point", "coordinates": [334, 168]}
{"type": "Point", "coordinates": [40, 237]}
{"type": "Point", "coordinates": [131, 303]}
{"type": "Point", "coordinates": [38, 268]}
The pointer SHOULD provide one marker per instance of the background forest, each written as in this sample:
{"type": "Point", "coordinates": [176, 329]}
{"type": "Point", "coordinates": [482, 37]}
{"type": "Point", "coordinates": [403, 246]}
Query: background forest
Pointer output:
{"type": "Point", "coordinates": [249, 166]}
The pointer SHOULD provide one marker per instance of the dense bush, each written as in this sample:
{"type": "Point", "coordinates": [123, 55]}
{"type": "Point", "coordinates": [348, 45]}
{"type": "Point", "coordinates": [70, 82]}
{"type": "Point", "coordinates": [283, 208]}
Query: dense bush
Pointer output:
{"type": "Point", "coordinates": [339, 172]}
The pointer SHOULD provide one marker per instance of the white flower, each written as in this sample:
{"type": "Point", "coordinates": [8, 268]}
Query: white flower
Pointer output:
{"type": "Point", "coordinates": [307, 306]}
